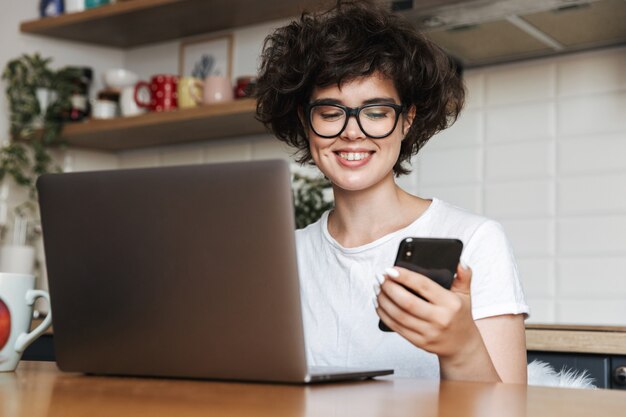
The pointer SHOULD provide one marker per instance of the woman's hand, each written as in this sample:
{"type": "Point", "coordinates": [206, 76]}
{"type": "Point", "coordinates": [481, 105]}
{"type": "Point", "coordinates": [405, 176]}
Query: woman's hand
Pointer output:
{"type": "Point", "coordinates": [441, 324]}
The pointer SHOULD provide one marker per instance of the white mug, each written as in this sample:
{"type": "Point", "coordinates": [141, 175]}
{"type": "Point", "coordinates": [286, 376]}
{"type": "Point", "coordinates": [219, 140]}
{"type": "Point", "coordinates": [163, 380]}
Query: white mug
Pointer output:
{"type": "Point", "coordinates": [128, 104]}
{"type": "Point", "coordinates": [17, 258]}
{"type": "Point", "coordinates": [104, 109]}
{"type": "Point", "coordinates": [17, 298]}
{"type": "Point", "coordinates": [73, 6]}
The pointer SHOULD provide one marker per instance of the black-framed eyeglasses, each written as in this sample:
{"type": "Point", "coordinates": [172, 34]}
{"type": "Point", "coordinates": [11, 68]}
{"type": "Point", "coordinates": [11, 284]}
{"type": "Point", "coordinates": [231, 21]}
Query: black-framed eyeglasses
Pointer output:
{"type": "Point", "coordinates": [377, 121]}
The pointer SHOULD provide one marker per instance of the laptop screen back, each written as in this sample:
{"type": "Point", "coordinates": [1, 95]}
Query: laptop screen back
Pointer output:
{"type": "Point", "coordinates": [180, 271]}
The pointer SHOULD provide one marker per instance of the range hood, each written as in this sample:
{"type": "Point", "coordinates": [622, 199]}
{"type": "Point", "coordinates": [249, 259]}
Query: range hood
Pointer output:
{"type": "Point", "coordinates": [486, 32]}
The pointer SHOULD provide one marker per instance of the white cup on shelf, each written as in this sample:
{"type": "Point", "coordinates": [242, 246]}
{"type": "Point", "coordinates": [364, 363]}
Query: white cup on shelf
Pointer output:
{"type": "Point", "coordinates": [73, 6]}
{"type": "Point", "coordinates": [104, 109]}
{"type": "Point", "coordinates": [128, 103]}
{"type": "Point", "coordinates": [18, 259]}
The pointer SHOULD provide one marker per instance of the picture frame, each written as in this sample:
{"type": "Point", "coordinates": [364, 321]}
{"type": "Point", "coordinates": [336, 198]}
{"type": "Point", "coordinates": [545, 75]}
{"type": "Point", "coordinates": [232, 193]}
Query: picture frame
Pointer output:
{"type": "Point", "coordinates": [200, 57]}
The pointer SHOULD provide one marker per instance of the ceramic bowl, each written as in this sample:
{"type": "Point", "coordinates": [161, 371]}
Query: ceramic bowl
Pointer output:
{"type": "Point", "coordinates": [120, 78]}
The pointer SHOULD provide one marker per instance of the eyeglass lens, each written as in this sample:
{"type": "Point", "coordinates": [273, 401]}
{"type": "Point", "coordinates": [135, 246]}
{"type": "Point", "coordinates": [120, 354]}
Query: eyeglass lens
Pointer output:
{"type": "Point", "coordinates": [375, 121]}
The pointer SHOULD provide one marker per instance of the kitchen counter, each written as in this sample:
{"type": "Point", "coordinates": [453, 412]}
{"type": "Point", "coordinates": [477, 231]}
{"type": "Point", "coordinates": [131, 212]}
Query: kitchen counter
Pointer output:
{"type": "Point", "coordinates": [576, 339]}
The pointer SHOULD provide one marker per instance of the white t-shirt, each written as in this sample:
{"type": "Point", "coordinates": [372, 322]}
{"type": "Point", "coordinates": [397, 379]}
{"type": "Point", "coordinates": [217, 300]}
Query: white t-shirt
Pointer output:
{"type": "Point", "coordinates": [340, 323]}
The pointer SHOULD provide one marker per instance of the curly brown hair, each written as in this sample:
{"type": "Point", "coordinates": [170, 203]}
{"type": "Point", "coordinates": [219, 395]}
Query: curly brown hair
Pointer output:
{"type": "Point", "coordinates": [355, 39]}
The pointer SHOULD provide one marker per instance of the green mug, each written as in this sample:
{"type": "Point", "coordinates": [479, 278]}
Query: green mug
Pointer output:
{"type": "Point", "coordinates": [89, 4]}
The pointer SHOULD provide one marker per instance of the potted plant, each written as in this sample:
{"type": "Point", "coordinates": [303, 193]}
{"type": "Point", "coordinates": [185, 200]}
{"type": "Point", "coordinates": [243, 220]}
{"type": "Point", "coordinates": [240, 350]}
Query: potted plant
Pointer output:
{"type": "Point", "coordinates": [38, 97]}
{"type": "Point", "coordinates": [311, 198]}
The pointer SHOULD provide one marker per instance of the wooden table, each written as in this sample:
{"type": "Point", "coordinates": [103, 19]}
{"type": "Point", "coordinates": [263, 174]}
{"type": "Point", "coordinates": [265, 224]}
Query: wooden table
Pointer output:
{"type": "Point", "coordinates": [39, 389]}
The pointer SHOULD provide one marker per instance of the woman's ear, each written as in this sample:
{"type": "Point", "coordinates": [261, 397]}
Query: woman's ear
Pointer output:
{"type": "Point", "coordinates": [408, 119]}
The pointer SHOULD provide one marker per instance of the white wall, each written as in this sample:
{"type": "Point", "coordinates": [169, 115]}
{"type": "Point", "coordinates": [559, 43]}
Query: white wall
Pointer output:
{"type": "Point", "coordinates": [539, 147]}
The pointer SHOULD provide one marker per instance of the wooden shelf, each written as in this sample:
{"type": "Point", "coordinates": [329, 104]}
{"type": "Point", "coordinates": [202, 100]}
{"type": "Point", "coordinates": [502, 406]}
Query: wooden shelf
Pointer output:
{"type": "Point", "coordinates": [139, 22]}
{"type": "Point", "coordinates": [234, 118]}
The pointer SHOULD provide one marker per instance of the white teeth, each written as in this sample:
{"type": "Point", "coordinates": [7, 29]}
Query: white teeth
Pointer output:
{"type": "Point", "coordinates": [354, 156]}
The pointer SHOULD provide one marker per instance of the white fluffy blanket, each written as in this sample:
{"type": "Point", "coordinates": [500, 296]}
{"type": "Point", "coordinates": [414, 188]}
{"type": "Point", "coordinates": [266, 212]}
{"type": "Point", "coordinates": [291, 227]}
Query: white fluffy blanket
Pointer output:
{"type": "Point", "coordinates": [541, 373]}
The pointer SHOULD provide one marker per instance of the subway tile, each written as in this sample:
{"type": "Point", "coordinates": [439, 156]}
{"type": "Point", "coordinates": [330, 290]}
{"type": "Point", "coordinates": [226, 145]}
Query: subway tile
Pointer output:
{"type": "Point", "coordinates": [140, 158]}
{"type": "Point", "coordinates": [597, 71]}
{"type": "Point", "coordinates": [592, 154]}
{"type": "Point", "coordinates": [520, 82]}
{"type": "Point", "coordinates": [530, 237]}
{"type": "Point", "coordinates": [541, 310]}
{"type": "Point", "coordinates": [519, 161]}
{"type": "Point", "coordinates": [592, 312]}
{"type": "Point", "coordinates": [520, 122]}
{"type": "Point", "coordinates": [453, 166]}
{"type": "Point", "coordinates": [85, 160]}
{"type": "Point", "coordinates": [474, 89]}
{"type": "Point", "coordinates": [468, 197]}
{"type": "Point", "coordinates": [538, 277]}
{"type": "Point", "coordinates": [598, 235]}
{"type": "Point", "coordinates": [592, 114]}
{"type": "Point", "coordinates": [268, 147]}
{"type": "Point", "coordinates": [182, 155]}
{"type": "Point", "coordinates": [228, 150]}
{"type": "Point", "coordinates": [592, 194]}
{"type": "Point", "coordinates": [466, 131]}
{"type": "Point", "coordinates": [591, 277]}
{"type": "Point", "coordinates": [527, 199]}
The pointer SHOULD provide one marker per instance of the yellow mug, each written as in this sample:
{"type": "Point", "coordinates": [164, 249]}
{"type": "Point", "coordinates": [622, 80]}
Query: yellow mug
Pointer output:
{"type": "Point", "coordinates": [188, 89]}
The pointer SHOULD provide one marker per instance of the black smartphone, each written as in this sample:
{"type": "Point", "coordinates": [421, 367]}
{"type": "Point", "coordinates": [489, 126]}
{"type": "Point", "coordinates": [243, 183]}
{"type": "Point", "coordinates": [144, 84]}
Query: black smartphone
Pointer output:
{"type": "Point", "coordinates": [435, 258]}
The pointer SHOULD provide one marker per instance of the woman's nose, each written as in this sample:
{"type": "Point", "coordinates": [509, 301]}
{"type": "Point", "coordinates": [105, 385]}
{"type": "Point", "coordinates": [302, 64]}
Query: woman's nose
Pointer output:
{"type": "Point", "coordinates": [353, 130]}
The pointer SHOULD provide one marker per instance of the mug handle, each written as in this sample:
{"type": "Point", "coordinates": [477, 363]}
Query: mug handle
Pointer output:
{"type": "Point", "coordinates": [194, 92]}
{"type": "Point", "coordinates": [25, 339]}
{"type": "Point", "coordinates": [139, 85]}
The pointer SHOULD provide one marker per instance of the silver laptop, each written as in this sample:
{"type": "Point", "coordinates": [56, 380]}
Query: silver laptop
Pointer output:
{"type": "Point", "coordinates": [178, 272]}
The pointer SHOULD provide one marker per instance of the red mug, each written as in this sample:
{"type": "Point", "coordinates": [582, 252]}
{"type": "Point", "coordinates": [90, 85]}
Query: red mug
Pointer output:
{"type": "Point", "coordinates": [163, 93]}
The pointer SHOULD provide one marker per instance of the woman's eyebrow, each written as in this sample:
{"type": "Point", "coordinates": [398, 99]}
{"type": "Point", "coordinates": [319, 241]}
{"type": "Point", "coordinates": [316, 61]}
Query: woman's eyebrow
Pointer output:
{"type": "Point", "coordinates": [380, 100]}
{"type": "Point", "coordinates": [375, 100]}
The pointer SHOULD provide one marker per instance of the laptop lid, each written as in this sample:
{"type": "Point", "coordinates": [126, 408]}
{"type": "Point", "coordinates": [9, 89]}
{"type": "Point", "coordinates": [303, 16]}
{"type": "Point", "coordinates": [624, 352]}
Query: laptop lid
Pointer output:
{"type": "Point", "coordinates": [182, 271]}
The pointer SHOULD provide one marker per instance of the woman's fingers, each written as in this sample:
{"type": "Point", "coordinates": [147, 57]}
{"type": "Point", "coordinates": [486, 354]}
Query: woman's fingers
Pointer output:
{"type": "Point", "coordinates": [405, 302]}
{"type": "Point", "coordinates": [424, 286]}
{"type": "Point", "coordinates": [413, 336]}
{"type": "Point", "coordinates": [409, 318]}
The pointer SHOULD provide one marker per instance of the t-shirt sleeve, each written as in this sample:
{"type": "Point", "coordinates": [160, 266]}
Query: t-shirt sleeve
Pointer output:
{"type": "Point", "coordinates": [496, 287]}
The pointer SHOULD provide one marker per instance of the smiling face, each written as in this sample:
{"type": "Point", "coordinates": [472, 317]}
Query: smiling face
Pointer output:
{"type": "Point", "coordinates": [353, 161]}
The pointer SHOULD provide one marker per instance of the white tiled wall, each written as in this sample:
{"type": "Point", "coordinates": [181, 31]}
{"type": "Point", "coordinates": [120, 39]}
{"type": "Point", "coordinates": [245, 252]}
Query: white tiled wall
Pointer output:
{"type": "Point", "coordinates": [544, 149]}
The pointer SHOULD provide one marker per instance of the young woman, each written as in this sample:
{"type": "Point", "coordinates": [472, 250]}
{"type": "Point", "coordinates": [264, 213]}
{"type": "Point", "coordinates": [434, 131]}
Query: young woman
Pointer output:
{"type": "Point", "coordinates": [357, 91]}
